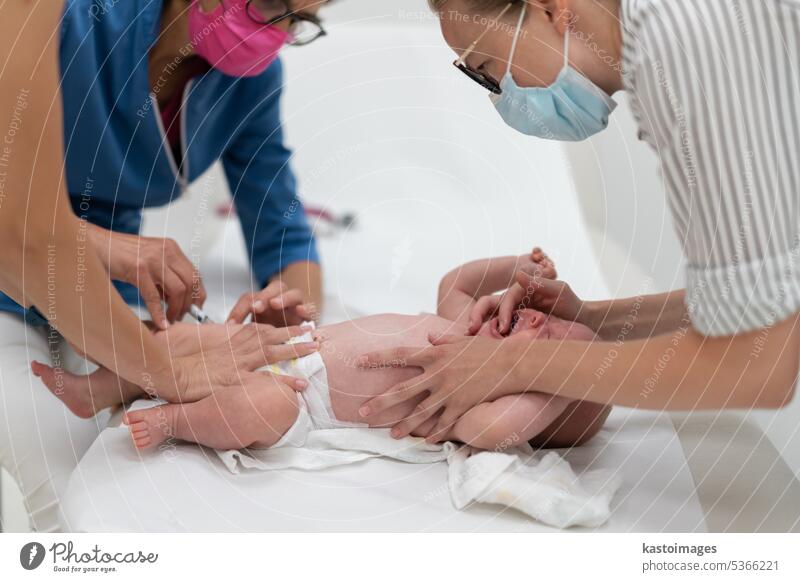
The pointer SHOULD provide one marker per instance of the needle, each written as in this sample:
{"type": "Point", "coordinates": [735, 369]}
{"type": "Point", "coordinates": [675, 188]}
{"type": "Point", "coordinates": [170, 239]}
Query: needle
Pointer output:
{"type": "Point", "coordinates": [199, 315]}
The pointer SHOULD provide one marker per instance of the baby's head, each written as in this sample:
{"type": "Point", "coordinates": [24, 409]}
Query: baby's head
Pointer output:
{"type": "Point", "coordinates": [532, 325]}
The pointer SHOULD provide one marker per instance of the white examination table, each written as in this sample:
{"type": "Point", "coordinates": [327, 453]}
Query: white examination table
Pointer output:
{"type": "Point", "coordinates": [115, 488]}
{"type": "Point", "coordinates": [715, 472]}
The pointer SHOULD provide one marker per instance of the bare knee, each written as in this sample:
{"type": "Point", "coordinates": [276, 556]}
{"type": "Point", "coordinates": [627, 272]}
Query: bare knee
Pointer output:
{"type": "Point", "coordinates": [275, 410]}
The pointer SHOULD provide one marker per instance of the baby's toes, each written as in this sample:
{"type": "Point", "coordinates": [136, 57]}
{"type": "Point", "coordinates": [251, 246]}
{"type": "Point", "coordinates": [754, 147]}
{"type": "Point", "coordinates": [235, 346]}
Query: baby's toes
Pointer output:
{"type": "Point", "coordinates": [139, 429]}
{"type": "Point", "coordinates": [538, 254]}
{"type": "Point", "coordinates": [545, 264]}
{"type": "Point", "coordinates": [140, 433]}
{"type": "Point", "coordinates": [46, 373]}
{"type": "Point", "coordinates": [142, 442]}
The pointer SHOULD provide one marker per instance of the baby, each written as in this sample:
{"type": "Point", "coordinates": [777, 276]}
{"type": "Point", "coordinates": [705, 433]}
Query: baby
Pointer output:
{"type": "Point", "coordinates": [265, 415]}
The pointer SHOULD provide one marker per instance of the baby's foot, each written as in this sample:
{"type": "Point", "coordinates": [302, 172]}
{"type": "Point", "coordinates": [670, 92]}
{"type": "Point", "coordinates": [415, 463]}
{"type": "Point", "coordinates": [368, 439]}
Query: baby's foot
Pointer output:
{"type": "Point", "coordinates": [73, 390]}
{"type": "Point", "coordinates": [152, 426]}
{"type": "Point", "coordinates": [544, 263]}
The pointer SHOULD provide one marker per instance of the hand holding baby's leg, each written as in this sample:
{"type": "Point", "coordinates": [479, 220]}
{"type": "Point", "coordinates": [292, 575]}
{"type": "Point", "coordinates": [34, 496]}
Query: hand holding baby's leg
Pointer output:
{"type": "Point", "coordinates": [521, 294]}
{"type": "Point", "coordinates": [185, 339]}
{"type": "Point", "coordinates": [86, 395]}
{"type": "Point", "coordinates": [237, 358]}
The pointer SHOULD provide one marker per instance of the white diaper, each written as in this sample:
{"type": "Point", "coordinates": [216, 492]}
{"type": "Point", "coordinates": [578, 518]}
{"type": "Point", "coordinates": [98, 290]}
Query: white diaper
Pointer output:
{"type": "Point", "coordinates": [316, 409]}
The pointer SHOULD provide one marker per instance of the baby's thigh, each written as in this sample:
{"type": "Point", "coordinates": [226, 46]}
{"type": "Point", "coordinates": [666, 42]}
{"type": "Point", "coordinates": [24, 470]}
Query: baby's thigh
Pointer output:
{"type": "Point", "coordinates": [509, 420]}
{"type": "Point", "coordinates": [579, 422]}
{"type": "Point", "coordinates": [257, 414]}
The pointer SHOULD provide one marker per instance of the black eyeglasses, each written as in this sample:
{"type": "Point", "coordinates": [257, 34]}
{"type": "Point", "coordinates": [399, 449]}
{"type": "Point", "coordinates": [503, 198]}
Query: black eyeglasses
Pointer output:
{"type": "Point", "coordinates": [304, 28]}
{"type": "Point", "coordinates": [486, 81]}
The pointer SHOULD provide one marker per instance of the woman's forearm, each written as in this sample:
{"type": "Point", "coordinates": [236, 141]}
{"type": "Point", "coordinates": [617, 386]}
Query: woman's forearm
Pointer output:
{"type": "Point", "coordinates": [636, 317]}
{"type": "Point", "coordinates": [47, 261]}
{"type": "Point", "coordinates": [679, 371]}
{"type": "Point", "coordinates": [66, 281]}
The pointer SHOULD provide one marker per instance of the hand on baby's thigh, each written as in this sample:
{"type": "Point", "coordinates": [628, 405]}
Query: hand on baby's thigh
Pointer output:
{"type": "Point", "coordinates": [185, 339]}
{"type": "Point", "coordinates": [508, 421]}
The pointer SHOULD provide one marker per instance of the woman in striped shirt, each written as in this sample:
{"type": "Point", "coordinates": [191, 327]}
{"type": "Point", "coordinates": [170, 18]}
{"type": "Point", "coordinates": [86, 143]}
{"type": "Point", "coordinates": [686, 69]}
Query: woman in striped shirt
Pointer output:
{"type": "Point", "coordinates": [714, 88]}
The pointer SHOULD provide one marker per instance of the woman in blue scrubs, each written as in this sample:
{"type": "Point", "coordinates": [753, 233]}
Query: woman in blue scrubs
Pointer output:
{"type": "Point", "coordinates": [154, 92]}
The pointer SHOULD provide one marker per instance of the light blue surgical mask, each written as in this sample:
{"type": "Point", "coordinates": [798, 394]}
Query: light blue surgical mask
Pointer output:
{"type": "Point", "coordinates": [571, 109]}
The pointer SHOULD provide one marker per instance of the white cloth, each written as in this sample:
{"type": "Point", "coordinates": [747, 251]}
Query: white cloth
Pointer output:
{"type": "Point", "coordinates": [41, 441]}
{"type": "Point", "coordinates": [541, 485]}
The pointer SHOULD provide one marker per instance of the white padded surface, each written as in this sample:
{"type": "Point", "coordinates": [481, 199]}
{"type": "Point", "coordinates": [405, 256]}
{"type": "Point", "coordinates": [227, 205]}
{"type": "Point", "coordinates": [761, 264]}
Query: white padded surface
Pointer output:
{"type": "Point", "coordinates": [116, 489]}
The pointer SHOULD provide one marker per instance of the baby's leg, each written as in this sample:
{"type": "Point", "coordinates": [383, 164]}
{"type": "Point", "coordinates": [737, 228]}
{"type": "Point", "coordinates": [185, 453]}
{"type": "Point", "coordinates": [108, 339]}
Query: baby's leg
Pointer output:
{"type": "Point", "coordinates": [234, 418]}
{"type": "Point", "coordinates": [85, 396]}
{"type": "Point", "coordinates": [545, 263]}
{"type": "Point", "coordinates": [508, 421]}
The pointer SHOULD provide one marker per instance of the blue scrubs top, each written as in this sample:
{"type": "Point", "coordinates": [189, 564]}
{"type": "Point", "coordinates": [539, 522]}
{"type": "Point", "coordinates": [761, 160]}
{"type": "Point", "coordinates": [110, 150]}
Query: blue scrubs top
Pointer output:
{"type": "Point", "coordinates": [118, 160]}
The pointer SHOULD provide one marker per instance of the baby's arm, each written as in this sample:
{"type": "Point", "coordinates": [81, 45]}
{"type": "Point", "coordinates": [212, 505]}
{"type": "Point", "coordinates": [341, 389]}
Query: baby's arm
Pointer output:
{"type": "Point", "coordinates": [460, 289]}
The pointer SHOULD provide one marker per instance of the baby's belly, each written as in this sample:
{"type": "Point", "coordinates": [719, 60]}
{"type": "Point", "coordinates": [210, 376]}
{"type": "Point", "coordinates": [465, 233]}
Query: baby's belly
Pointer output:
{"type": "Point", "coordinates": [350, 386]}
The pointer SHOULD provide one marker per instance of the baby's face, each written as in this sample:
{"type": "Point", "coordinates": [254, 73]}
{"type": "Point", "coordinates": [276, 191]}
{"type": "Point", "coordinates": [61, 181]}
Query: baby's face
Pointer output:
{"type": "Point", "coordinates": [534, 325]}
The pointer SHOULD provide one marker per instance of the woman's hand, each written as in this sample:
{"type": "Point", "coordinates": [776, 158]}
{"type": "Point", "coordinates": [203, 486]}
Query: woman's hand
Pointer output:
{"type": "Point", "coordinates": [538, 265]}
{"type": "Point", "coordinates": [156, 266]}
{"type": "Point", "coordinates": [458, 373]}
{"type": "Point", "coordinates": [553, 297]}
{"type": "Point", "coordinates": [276, 305]}
{"type": "Point", "coordinates": [531, 291]}
{"type": "Point", "coordinates": [235, 361]}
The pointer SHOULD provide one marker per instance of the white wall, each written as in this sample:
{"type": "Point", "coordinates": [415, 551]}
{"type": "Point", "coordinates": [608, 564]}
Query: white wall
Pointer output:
{"type": "Point", "coordinates": [622, 200]}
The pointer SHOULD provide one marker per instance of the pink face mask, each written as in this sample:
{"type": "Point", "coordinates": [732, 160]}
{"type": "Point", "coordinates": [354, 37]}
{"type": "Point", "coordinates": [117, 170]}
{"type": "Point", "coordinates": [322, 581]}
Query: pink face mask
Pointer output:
{"type": "Point", "coordinates": [231, 41]}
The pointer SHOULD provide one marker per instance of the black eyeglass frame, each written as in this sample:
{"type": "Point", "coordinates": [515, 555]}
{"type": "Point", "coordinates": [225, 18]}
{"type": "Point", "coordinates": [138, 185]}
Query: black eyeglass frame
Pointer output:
{"type": "Point", "coordinates": [486, 81]}
{"type": "Point", "coordinates": [256, 17]}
